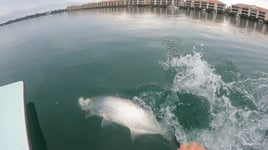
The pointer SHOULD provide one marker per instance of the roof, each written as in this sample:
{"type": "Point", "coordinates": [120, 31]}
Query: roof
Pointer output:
{"type": "Point", "coordinates": [215, 1]}
{"type": "Point", "coordinates": [251, 7]}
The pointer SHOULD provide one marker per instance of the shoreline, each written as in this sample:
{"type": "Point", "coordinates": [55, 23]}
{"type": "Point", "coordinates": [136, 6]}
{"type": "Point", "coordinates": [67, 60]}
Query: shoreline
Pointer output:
{"type": "Point", "coordinates": [96, 6]}
{"type": "Point", "coordinates": [36, 15]}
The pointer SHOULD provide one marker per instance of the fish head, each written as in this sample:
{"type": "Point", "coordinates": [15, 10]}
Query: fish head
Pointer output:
{"type": "Point", "coordinates": [85, 104]}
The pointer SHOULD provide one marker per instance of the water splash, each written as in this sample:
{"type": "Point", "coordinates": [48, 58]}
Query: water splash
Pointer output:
{"type": "Point", "coordinates": [231, 127]}
{"type": "Point", "coordinates": [193, 75]}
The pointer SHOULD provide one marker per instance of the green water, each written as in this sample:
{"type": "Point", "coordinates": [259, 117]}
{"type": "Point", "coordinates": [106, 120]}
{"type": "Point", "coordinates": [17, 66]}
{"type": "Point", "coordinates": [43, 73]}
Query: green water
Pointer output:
{"type": "Point", "coordinates": [204, 75]}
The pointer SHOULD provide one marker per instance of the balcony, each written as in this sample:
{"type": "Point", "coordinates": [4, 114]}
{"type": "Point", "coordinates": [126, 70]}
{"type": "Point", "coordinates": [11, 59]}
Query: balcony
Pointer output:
{"type": "Point", "coordinates": [262, 13]}
{"type": "Point", "coordinates": [211, 4]}
{"type": "Point", "coordinates": [245, 11]}
{"type": "Point", "coordinates": [244, 14]}
{"type": "Point", "coordinates": [234, 8]}
{"type": "Point", "coordinates": [252, 15]}
{"type": "Point", "coordinates": [211, 7]}
{"type": "Point", "coordinates": [188, 5]}
{"type": "Point", "coordinates": [253, 11]}
{"type": "Point", "coordinates": [204, 5]}
{"type": "Point", "coordinates": [188, 2]}
{"type": "Point", "coordinates": [262, 16]}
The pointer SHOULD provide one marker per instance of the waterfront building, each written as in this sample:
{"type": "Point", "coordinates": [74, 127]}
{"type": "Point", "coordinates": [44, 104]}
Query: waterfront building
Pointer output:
{"type": "Point", "coordinates": [104, 3]}
{"type": "Point", "coordinates": [111, 3]}
{"type": "Point", "coordinates": [250, 11]}
{"type": "Point", "coordinates": [138, 2]}
{"type": "Point", "coordinates": [211, 5]}
{"type": "Point", "coordinates": [179, 3]}
{"type": "Point", "coordinates": [188, 4]}
{"type": "Point", "coordinates": [118, 3]}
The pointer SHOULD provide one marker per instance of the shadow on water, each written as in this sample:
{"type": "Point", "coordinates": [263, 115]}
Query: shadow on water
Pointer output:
{"type": "Point", "coordinates": [117, 137]}
{"type": "Point", "coordinates": [37, 139]}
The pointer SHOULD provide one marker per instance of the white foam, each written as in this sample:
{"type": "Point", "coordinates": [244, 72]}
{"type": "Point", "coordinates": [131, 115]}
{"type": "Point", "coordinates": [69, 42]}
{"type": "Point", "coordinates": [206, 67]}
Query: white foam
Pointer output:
{"type": "Point", "coordinates": [194, 75]}
{"type": "Point", "coordinates": [231, 128]}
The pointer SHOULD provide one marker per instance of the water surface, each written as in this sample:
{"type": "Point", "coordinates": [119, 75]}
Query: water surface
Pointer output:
{"type": "Point", "coordinates": [204, 76]}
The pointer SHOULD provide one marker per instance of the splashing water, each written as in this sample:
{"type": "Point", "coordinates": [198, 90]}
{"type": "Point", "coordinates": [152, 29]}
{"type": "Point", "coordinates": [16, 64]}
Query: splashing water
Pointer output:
{"type": "Point", "coordinates": [230, 127]}
{"type": "Point", "coordinates": [194, 75]}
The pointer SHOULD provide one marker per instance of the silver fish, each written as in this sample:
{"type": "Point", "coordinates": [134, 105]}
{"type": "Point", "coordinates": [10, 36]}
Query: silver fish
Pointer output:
{"type": "Point", "coordinates": [123, 112]}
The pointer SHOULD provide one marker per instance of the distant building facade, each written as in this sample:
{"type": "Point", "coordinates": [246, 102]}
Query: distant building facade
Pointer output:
{"type": "Point", "coordinates": [213, 5]}
{"type": "Point", "coordinates": [251, 11]}
{"type": "Point", "coordinates": [179, 3]}
{"type": "Point", "coordinates": [101, 4]}
{"type": "Point", "coordinates": [138, 2]}
{"type": "Point", "coordinates": [118, 3]}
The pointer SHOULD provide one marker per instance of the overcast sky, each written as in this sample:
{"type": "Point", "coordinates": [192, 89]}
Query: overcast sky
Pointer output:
{"type": "Point", "coordinates": [10, 9]}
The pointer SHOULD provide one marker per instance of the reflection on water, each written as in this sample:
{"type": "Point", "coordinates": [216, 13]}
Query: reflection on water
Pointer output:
{"type": "Point", "coordinates": [252, 26]}
{"type": "Point", "coordinates": [249, 25]}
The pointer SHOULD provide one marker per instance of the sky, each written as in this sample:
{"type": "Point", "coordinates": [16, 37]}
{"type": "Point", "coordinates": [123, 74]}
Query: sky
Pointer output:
{"type": "Point", "coordinates": [11, 9]}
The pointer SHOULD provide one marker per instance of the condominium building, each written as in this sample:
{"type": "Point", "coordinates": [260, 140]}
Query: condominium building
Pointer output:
{"type": "Point", "coordinates": [104, 3]}
{"type": "Point", "coordinates": [251, 11]}
{"type": "Point", "coordinates": [118, 3]}
{"type": "Point", "coordinates": [138, 2]}
{"type": "Point", "coordinates": [188, 3]}
{"type": "Point", "coordinates": [110, 3]}
{"type": "Point", "coordinates": [179, 3]}
{"type": "Point", "coordinates": [206, 4]}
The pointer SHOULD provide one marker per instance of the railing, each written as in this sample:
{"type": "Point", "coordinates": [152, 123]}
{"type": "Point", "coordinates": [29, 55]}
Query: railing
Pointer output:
{"type": "Point", "coordinates": [261, 17]}
{"type": "Point", "coordinates": [235, 11]}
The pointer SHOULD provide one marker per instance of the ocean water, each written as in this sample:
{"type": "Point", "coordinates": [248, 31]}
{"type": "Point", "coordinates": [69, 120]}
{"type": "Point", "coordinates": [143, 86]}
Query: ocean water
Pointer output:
{"type": "Point", "coordinates": [204, 76]}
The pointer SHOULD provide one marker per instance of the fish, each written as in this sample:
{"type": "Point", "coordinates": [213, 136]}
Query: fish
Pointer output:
{"type": "Point", "coordinates": [123, 112]}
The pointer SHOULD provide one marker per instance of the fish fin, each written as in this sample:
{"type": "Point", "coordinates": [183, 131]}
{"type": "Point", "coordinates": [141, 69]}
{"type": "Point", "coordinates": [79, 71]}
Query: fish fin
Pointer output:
{"type": "Point", "coordinates": [135, 134]}
{"type": "Point", "coordinates": [106, 122]}
{"type": "Point", "coordinates": [88, 114]}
